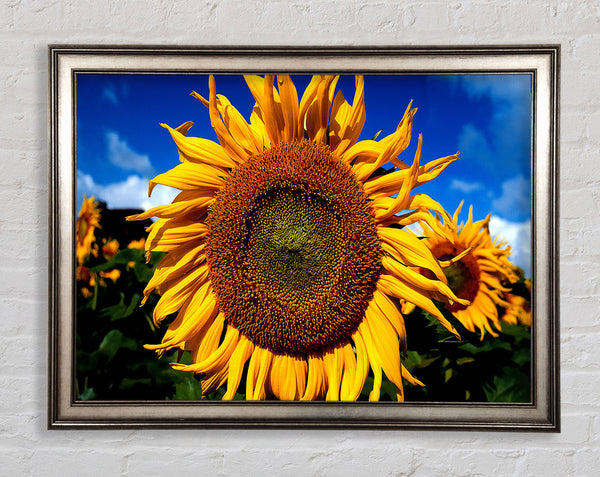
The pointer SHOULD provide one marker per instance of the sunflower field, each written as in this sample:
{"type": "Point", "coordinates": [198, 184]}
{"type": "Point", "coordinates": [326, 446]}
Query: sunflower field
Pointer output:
{"type": "Point", "coordinates": [297, 263]}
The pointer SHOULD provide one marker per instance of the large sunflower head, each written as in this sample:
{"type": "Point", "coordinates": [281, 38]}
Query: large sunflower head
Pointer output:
{"type": "Point", "coordinates": [285, 247]}
{"type": "Point", "coordinates": [87, 221]}
{"type": "Point", "coordinates": [476, 267]}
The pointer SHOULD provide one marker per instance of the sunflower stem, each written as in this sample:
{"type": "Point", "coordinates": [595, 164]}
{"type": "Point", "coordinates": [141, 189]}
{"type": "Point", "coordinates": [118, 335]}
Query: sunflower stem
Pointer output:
{"type": "Point", "coordinates": [95, 299]}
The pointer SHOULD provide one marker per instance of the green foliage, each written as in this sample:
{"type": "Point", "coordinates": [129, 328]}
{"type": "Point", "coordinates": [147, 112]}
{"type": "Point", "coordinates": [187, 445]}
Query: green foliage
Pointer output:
{"type": "Point", "coordinates": [189, 389]}
{"type": "Point", "coordinates": [492, 369]}
{"type": "Point", "coordinates": [112, 364]}
{"type": "Point", "coordinates": [511, 386]}
{"type": "Point", "coordinates": [112, 328]}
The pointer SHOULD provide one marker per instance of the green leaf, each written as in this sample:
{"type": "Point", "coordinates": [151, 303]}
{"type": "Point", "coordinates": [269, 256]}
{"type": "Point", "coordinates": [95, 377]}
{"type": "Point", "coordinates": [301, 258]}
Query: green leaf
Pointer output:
{"type": "Point", "coordinates": [156, 258]}
{"type": "Point", "coordinates": [121, 310]}
{"type": "Point", "coordinates": [114, 312]}
{"type": "Point", "coordinates": [129, 383]}
{"type": "Point", "coordinates": [486, 346]}
{"type": "Point", "coordinates": [519, 332]}
{"type": "Point", "coordinates": [415, 360]}
{"type": "Point", "coordinates": [522, 356]}
{"type": "Point", "coordinates": [143, 272]}
{"type": "Point", "coordinates": [133, 304]}
{"type": "Point", "coordinates": [216, 395]}
{"type": "Point", "coordinates": [122, 258]}
{"type": "Point", "coordinates": [87, 394]}
{"type": "Point", "coordinates": [188, 390]}
{"type": "Point", "coordinates": [464, 360]}
{"type": "Point", "coordinates": [113, 341]}
{"type": "Point", "coordinates": [447, 375]}
{"type": "Point", "coordinates": [366, 390]}
{"type": "Point", "coordinates": [512, 386]}
{"type": "Point", "coordinates": [388, 389]}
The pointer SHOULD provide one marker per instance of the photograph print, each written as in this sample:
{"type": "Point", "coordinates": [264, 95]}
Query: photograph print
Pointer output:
{"type": "Point", "coordinates": [303, 237]}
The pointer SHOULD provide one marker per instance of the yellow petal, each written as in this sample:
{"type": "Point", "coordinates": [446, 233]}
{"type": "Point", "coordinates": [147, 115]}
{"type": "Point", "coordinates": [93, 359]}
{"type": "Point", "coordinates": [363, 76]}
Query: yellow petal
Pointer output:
{"type": "Point", "coordinates": [208, 339]}
{"type": "Point", "coordinates": [236, 366]}
{"type": "Point", "coordinates": [410, 250]}
{"type": "Point", "coordinates": [380, 335]}
{"type": "Point", "coordinates": [362, 364]}
{"type": "Point", "coordinates": [196, 315]}
{"type": "Point", "coordinates": [307, 99]}
{"type": "Point", "coordinates": [263, 361]}
{"type": "Point", "coordinates": [402, 200]}
{"type": "Point", "coordinates": [374, 361]}
{"type": "Point", "coordinates": [234, 151]}
{"type": "Point", "coordinates": [301, 371]}
{"type": "Point", "coordinates": [216, 360]}
{"type": "Point", "coordinates": [267, 98]}
{"type": "Point", "coordinates": [190, 176]}
{"type": "Point", "coordinates": [315, 381]}
{"type": "Point", "coordinates": [363, 151]}
{"type": "Point", "coordinates": [333, 363]}
{"type": "Point", "coordinates": [177, 263]}
{"type": "Point", "coordinates": [197, 149]}
{"type": "Point", "coordinates": [178, 292]}
{"type": "Point", "coordinates": [197, 206]}
{"type": "Point", "coordinates": [274, 374]}
{"type": "Point", "coordinates": [350, 119]}
{"type": "Point", "coordinates": [419, 282]}
{"type": "Point", "coordinates": [393, 145]}
{"type": "Point", "coordinates": [319, 115]}
{"type": "Point", "coordinates": [394, 287]}
{"type": "Point", "coordinates": [410, 378]}
{"type": "Point", "coordinates": [289, 108]}
{"type": "Point", "coordinates": [286, 378]}
{"type": "Point", "coordinates": [349, 374]}
{"type": "Point", "coordinates": [238, 128]}
{"type": "Point", "coordinates": [214, 381]}
{"type": "Point", "coordinates": [392, 314]}
{"type": "Point", "coordinates": [165, 235]}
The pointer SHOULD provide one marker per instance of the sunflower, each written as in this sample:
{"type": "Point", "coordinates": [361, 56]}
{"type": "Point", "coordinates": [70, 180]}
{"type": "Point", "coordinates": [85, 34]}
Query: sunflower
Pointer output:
{"type": "Point", "coordinates": [285, 247]}
{"type": "Point", "coordinates": [110, 248]}
{"type": "Point", "coordinates": [87, 222]}
{"type": "Point", "coordinates": [476, 267]}
{"type": "Point", "coordinates": [519, 311]}
{"type": "Point", "coordinates": [137, 244]}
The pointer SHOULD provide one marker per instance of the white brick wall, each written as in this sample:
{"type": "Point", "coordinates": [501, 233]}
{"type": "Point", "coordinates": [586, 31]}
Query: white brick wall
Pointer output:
{"type": "Point", "coordinates": [28, 26]}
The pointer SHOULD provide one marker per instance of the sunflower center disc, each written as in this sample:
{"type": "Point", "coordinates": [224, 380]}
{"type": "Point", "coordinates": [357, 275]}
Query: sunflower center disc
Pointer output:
{"type": "Point", "coordinates": [463, 278]}
{"type": "Point", "coordinates": [294, 240]}
{"type": "Point", "coordinates": [293, 250]}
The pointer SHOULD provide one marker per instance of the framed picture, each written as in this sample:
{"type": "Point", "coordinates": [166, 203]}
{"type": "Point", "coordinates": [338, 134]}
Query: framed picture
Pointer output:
{"type": "Point", "coordinates": [275, 237]}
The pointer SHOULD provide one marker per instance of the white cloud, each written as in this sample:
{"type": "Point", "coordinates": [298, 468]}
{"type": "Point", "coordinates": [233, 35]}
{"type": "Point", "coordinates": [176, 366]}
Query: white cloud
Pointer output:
{"type": "Point", "coordinates": [114, 92]}
{"type": "Point", "coordinates": [509, 129]}
{"type": "Point", "coordinates": [497, 88]}
{"type": "Point", "coordinates": [130, 193]}
{"type": "Point", "coordinates": [518, 236]}
{"type": "Point", "coordinates": [515, 199]}
{"type": "Point", "coordinates": [466, 187]}
{"type": "Point", "coordinates": [110, 95]}
{"type": "Point", "coordinates": [122, 156]}
{"type": "Point", "coordinates": [474, 146]}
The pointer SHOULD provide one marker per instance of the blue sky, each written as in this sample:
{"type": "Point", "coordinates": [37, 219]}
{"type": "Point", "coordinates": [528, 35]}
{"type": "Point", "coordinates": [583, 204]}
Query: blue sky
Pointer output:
{"type": "Point", "coordinates": [120, 144]}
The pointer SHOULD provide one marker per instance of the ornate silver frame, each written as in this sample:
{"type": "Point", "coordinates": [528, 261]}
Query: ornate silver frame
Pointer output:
{"type": "Point", "coordinates": [542, 414]}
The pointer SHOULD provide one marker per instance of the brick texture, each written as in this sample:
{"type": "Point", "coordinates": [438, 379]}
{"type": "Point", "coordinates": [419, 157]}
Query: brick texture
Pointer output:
{"type": "Point", "coordinates": [29, 26]}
